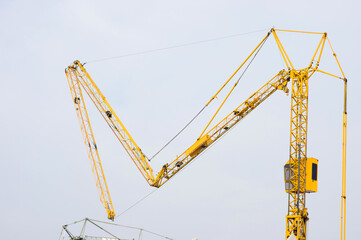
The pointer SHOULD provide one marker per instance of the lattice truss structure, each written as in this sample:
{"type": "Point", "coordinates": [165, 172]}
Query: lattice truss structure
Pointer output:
{"type": "Point", "coordinates": [90, 229]}
{"type": "Point", "coordinates": [297, 217]}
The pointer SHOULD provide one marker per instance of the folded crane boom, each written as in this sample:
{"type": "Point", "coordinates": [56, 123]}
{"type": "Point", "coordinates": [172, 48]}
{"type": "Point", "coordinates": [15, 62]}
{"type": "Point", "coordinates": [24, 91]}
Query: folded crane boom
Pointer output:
{"type": "Point", "coordinates": [78, 72]}
{"type": "Point", "coordinates": [78, 77]}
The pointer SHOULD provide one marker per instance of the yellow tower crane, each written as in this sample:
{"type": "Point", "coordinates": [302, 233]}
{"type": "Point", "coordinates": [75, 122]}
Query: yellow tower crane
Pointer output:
{"type": "Point", "coordinates": [300, 171]}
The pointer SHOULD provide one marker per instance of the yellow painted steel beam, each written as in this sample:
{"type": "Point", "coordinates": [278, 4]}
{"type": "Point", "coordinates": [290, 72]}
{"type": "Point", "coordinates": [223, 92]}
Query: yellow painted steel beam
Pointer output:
{"type": "Point", "coordinates": [323, 40]}
{"type": "Point", "coordinates": [282, 30]}
{"type": "Point", "coordinates": [282, 50]}
{"type": "Point", "coordinates": [89, 140]}
{"type": "Point", "coordinates": [344, 142]}
{"type": "Point", "coordinates": [244, 62]}
{"type": "Point", "coordinates": [249, 56]}
{"type": "Point", "coordinates": [334, 54]}
{"type": "Point", "coordinates": [324, 72]}
{"type": "Point", "coordinates": [114, 122]}
{"type": "Point", "coordinates": [278, 82]}
{"type": "Point", "coordinates": [321, 44]}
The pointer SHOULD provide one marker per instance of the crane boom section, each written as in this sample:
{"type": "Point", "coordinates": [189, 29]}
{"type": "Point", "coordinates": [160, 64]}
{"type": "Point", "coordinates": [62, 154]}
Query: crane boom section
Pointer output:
{"type": "Point", "coordinates": [89, 140]}
{"type": "Point", "coordinates": [79, 75]}
{"type": "Point", "coordinates": [278, 82]}
{"type": "Point", "coordinates": [113, 121]}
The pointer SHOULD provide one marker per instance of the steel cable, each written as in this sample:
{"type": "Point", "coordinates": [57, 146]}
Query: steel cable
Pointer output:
{"type": "Point", "coordinates": [174, 46]}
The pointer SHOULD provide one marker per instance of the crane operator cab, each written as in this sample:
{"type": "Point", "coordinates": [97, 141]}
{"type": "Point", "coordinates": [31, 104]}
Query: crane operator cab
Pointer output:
{"type": "Point", "coordinates": [311, 176]}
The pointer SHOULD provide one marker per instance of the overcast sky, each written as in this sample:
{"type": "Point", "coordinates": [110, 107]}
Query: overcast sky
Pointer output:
{"type": "Point", "coordinates": [233, 191]}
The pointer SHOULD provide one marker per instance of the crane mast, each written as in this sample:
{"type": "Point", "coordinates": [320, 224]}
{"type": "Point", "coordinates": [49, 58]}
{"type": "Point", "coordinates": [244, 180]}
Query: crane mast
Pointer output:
{"type": "Point", "coordinates": [298, 179]}
{"type": "Point", "coordinates": [296, 218]}
{"type": "Point", "coordinates": [302, 174]}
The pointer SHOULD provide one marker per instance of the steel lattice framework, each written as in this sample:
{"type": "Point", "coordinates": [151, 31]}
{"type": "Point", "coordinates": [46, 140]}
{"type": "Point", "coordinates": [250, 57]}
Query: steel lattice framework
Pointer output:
{"type": "Point", "coordinates": [297, 212]}
{"type": "Point", "coordinates": [297, 217]}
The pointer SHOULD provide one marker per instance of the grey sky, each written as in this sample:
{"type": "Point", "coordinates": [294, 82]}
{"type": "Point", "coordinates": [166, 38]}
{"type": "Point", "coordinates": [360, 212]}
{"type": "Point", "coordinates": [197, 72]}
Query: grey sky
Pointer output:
{"type": "Point", "coordinates": [233, 191]}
